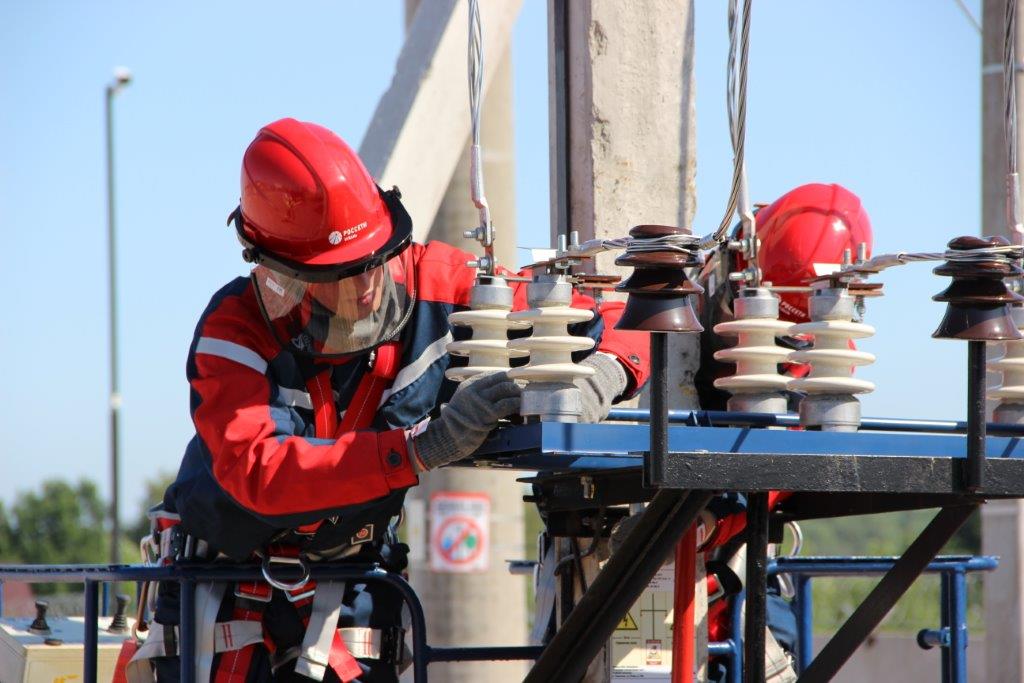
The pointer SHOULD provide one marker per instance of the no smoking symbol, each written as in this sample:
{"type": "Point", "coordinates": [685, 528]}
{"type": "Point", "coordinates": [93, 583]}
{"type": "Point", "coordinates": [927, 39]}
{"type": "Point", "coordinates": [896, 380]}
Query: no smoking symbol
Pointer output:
{"type": "Point", "coordinates": [460, 540]}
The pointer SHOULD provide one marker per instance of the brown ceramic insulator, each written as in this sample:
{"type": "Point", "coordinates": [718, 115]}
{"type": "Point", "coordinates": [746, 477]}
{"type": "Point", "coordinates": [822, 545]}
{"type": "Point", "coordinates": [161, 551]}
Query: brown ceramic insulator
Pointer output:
{"type": "Point", "coordinates": [659, 290]}
{"type": "Point", "coordinates": [977, 299]}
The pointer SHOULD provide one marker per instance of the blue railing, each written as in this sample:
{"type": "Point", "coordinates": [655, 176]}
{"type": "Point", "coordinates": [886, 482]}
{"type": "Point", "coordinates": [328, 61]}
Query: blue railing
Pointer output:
{"type": "Point", "coordinates": [951, 635]}
{"type": "Point", "coordinates": [188, 575]}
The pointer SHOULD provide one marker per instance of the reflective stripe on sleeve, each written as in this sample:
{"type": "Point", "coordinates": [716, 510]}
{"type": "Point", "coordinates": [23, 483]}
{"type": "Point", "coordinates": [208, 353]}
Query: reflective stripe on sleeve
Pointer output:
{"type": "Point", "coordinates": [232, 351]}
{"type": "Point", "coordinates": [415, 370]}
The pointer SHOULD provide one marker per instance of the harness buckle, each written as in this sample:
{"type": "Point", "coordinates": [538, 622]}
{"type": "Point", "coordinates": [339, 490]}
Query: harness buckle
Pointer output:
{"type": "Point", "coordinates": [281, 585]}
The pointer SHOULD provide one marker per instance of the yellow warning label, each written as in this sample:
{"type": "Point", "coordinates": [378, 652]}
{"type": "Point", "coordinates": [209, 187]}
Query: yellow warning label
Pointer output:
{"type": "Point", "coordinates": [628, 623]}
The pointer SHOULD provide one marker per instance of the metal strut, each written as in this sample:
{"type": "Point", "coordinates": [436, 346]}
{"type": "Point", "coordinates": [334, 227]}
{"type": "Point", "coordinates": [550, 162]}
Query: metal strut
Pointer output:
{"type": "Point", "coordinates": [891, 588]}
{"type": "Point", "coordinates": [756, 619]}
{"type": "Point", "coordinates": [592, 622]}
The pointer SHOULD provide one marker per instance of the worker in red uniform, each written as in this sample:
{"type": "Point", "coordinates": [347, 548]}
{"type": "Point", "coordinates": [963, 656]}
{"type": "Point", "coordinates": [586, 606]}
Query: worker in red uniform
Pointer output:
{"type": "Point", "coordinates": [803, 235]}
{"type": "Point", "coordinates": [318, 396]}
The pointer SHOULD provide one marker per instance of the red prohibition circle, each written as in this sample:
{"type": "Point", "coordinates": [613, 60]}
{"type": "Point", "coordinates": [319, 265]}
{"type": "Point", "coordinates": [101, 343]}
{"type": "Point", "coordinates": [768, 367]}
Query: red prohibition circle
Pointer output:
{"type": "Point", "coordinates": [471, 528]}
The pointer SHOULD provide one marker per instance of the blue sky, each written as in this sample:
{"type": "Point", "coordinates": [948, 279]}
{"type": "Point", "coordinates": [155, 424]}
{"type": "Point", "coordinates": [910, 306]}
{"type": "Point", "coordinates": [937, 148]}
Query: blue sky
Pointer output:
{"type": "Point", "coordinates": [879, 96]}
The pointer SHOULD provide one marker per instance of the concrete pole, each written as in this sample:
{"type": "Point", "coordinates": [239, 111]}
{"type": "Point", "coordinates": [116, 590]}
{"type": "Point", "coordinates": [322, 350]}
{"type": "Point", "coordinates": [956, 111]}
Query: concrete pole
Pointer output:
{"type": "Point", "coordinates": [623, 130]}
{"type": "Point", "coordinates": [1002, 520]}
{"type": "Point", "coordinates": [623, 145]}
{"type": "Point", "coordinates": [487, 608]}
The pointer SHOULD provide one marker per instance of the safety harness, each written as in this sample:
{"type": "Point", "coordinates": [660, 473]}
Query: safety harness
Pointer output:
{"type": "Point", "coordinates": [318, 605]}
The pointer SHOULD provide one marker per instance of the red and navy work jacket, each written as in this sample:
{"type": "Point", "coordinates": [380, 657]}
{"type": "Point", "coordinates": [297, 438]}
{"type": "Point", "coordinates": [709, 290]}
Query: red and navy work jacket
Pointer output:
{"type": "Point", "coordinates": [258, 469]}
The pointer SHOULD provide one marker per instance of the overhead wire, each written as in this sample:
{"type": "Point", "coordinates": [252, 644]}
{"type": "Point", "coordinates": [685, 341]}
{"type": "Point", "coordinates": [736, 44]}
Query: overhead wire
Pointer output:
{"type": "Point", "coordinates": [736, 109]}
{"type": "Point", "coordinates": [485, 233]}
{"type": "Point", "coordinates": [1013, 206]}
{"type": "Point", "coordinates": [970, 15]}
{"type": "Point", "coordinates": [991, 254]}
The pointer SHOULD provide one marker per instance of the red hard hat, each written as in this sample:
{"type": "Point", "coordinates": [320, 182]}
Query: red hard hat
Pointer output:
{"type": "Point", "coordinates": [310, 206]}
{"type": "Point", "coordinates": [803, 234]}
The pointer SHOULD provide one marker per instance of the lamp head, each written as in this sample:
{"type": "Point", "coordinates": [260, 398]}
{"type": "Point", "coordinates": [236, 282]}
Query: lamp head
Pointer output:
{"type": "Point", "coordinates": [122, 77]}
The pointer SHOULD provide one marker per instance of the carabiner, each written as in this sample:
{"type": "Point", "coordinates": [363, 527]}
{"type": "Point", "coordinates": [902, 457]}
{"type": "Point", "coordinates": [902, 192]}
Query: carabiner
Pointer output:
{"type": "Point", "coordinates": [265, 567]}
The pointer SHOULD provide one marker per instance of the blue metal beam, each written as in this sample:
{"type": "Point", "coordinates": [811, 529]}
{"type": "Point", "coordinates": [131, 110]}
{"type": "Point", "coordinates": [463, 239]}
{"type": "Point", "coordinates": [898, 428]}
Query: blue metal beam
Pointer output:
{"type": "Point", "coordinates": [553, 446]}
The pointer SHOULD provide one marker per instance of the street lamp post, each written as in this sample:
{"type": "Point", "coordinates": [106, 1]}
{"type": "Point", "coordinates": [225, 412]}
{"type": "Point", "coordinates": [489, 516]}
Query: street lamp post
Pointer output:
{"type": "Point", "coordinates": [122, 77]}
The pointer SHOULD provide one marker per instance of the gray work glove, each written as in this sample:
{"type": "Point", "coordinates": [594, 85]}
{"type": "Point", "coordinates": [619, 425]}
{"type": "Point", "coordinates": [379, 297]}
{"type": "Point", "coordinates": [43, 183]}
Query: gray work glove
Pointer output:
{"type": "Point", "coordinates": [602, 388]}
{"type": "Point", "coordinates": [465, 421]}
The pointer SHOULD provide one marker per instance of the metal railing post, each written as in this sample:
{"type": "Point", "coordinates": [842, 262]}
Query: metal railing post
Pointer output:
{"type": "Point", "coordinates": [187, 629]}
{"type": "Point", "coordinates": [958, 625]}
{"type": "Point", "coordinates": [805, 623]}
{"type": "Point", "coordinates": [91, 643]}
{"type": "Point", "coordinates": [945, 605]}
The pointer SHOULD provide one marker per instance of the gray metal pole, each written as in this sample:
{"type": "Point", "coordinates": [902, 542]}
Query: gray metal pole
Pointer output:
{"type": "Point", "coordinates": [121, 79]}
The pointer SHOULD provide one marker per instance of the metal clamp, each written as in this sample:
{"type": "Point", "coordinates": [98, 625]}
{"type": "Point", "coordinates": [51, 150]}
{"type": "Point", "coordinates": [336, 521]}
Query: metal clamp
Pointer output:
{"type": "Point", "coordinates": [265, 568]}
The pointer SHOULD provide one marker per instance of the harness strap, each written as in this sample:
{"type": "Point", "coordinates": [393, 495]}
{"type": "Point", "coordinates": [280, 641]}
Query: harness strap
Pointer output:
{"type": "Point", "coordinates": [251, 599]}
{"type": "Point", "coordinates": [227, 636]}
{"type": "Point", "coordinates": [366, 643]}
{"type": "Point", "coordinates": [319, 643]}
{"type": "Point", "coordinates": [325, 413]}
{"type": "Point", "coordinates": [361, 409]}
{"type": "Point", "coordinates": [371, 388]}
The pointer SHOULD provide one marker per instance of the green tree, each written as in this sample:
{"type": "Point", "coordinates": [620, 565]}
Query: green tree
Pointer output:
{"type": "Point", "coordinates": [6, 537]}
{"type": "Point", "coordinates": [62, 523]}
{"type": "Point", "coordinates": [885, 534]}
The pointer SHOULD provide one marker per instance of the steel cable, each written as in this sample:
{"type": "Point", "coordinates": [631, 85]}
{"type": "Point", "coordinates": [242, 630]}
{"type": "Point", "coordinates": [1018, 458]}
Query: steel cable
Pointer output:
{"type": "Point", "coordinates": [736, 109]}
{"type": "Point", "coordinates": [1013, 208]}
{"type": "Point", "coordinates": [475, 69]}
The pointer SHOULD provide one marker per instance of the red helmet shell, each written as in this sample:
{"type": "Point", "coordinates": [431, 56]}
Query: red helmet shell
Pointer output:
{"type": "Point", "coordinates": [307, 197]}
{"type": "Point", "coordinates": [804, 233]}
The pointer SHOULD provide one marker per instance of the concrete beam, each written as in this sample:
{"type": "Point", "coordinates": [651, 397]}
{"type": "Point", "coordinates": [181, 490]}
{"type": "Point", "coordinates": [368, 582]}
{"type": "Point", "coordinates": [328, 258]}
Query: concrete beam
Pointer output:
{"type": "Point", "coordinates": [421, 124]}
{"type": "Point", "coordinates": [623, 126]}
{"type": "Point", "coordinates": [629, 125]}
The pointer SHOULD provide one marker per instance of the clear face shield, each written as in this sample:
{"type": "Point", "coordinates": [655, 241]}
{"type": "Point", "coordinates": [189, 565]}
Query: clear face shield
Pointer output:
{"type": "Point", "coordinates": [336, 318]}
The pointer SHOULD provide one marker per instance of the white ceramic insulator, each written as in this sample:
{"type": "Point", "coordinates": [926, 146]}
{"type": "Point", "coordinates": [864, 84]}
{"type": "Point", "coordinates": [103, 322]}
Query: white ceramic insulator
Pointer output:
{"type": "Point", "coordinates": [488, 348]}
{"type": "Point", "coordinates": [831, 358]}
{"type": "Point", "coordinates": [756, 355]}
{"type": "Point", "coordinates": [551, 346]}
{"type": "Point", "coordinates": [1011, 364]}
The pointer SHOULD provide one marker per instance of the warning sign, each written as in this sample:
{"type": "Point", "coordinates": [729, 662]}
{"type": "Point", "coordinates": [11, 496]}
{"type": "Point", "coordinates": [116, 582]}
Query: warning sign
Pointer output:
{"type": "Point", "coordinates": [628, 623]}
{"type": "Point", "coordinates": [642, 643]}
{"type": "Point", "coordinates": [460, 531]}
{"type": "Point", "coordinates": [654, 653]}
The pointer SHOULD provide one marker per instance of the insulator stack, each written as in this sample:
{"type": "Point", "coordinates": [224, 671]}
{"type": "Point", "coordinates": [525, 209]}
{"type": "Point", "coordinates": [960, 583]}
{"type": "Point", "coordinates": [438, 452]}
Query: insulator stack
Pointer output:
{"type": "Point", "coordinates": [757, 385]}
{"type": "Point", "coordinates": [1010, 392]}
{"type": "Point", "coordinates": [829, 403]}
{"type": "Point", "coordinates": [550, 393]}
{"type": "Point", "coordinates": [977, 298]}
{"type": "Point", "coordinates": [659, 288]}
{"type": "Point", "coordinates": [490, 301]}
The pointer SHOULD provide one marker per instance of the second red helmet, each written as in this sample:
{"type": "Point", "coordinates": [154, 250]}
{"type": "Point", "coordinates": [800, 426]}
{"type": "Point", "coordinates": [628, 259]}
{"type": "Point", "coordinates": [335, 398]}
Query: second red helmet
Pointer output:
{"type": "Point", "coordinates": [803, 234]}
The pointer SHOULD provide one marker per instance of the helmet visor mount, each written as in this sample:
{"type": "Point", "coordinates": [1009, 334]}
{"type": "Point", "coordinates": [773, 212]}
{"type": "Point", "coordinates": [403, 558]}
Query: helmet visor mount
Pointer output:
{"type": "Point", "coordinates": [336, 311]}
{"type": "Point", "coordinates": [339, 318]}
